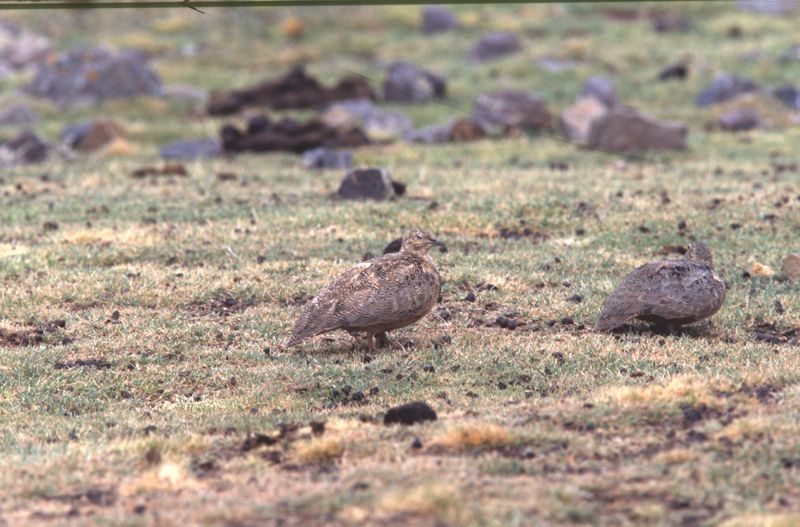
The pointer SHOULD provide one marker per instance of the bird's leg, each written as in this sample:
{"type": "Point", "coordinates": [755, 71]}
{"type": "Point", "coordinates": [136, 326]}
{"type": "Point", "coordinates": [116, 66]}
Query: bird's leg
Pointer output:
{"type": "Point", "coordinates": [370, 343]}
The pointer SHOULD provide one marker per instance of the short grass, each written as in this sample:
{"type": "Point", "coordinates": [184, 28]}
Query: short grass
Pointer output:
{"type": "Point", "coordinates": [142, 380]}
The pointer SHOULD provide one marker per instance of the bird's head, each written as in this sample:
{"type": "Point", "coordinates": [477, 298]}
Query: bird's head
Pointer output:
{"type": "Point", "coordinates": [418, 241]}
{"type": "Point", "coordinates": [699, 252]}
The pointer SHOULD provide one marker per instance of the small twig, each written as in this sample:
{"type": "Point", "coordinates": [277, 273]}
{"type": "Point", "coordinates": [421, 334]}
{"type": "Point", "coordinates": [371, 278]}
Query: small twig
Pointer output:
{"type": "Point", "coordinates": [193, 8]}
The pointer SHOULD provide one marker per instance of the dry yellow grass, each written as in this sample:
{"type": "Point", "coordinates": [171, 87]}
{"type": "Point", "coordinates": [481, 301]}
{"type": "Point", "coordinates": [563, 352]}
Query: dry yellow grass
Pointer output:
{"type": "Point", "coordinates": [473, 435]}
{"type": "Point", "coordinates": [325, 449]}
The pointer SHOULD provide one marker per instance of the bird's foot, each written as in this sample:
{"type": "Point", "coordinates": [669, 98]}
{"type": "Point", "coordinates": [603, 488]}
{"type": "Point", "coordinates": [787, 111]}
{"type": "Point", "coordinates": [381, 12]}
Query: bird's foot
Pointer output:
{"type": "Point", "coordinates": [385, 342]}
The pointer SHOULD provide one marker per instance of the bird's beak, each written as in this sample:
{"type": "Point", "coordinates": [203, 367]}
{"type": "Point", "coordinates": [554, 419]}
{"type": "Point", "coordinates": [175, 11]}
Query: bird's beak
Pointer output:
{"type": "Point", "coordinates": [437, 243]}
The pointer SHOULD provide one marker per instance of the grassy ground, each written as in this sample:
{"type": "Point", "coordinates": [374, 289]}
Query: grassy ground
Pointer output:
{"type": "Point", "coordinates": [141, 377]}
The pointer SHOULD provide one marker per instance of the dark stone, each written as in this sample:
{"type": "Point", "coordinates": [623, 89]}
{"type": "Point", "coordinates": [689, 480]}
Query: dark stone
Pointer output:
{"type": "Point", "coordinates": [399, 188]}
{"type": "Point", "coordinates": [740, 119]}
{"type": "Point", "coordinates": [409, 414]}
{"type": "Point", "coordinates": [394, 246]}
{"type": "Point", "coordinates": [294, 90]}
{"type": "Point", "coordinates": [625, 130]}
{"type": "Point", "coordinates": [94, 75]}
{"type": "Point", "coordinates": [725, 87]}
{"type": "Point", "coordinates": [602, 88]}
{"type": "Point", "coordinates": [511, 108]}
{"type": "Point", "coordinates": [327, 158]}
{"type": "Point", "coordinates": [367, 183]}
{"type": "Point", "coordinates": [407, 83]}
{"type": "Point", "coordinates": [438, 18]}
{"type": "Point", "coordinates": [495, 45]}
{"type": "Point", "coordinates": [192, 149]}
{"type": "Point", "coordinates": [669, 22]}
{"type": "Point", "coordinates": [788, 95]}
{"type": "Point", "coordinates": [26, 148]}
{"type": "Point", "coordinates": [676, 71]}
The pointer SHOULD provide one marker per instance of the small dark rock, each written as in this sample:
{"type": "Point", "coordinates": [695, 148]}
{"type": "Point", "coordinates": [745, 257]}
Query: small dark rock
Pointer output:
{"type": "Point", "coordinates": [416, 444]}
{"type": "Point", "coordinates": [394, 246]}
{"type": "Point", "coordinates": [495, 45]}
{"type": "Point", "coordinates": [788, 95]}
{"type": "Point", "coordinates": [602, 89]}
{"type": "Point", "coordinates": [470, 297]}
{"type": "Point", "coordinates": [189, 149]}
{"type": "Point", "coordinates": [26, 148]}
{"type": "Point", "coordinates": [409, 414]}
{"type": "Point", "coordinates": [740, 120]}
{"type": "Point", "coordinates": [669, 22]}
{"type": "Point", "coordinates": [726, 87]}
{"type": "Point", "coordinates": [676, 71]}
{"type": "Point", "coordinates": [406, 83]}
{"type": "Point", "coordinates": [367, 183]}
{"type": "Point", "coordinates": [327, 158]}
{"type": "Point", "coordinates": [438, 18]}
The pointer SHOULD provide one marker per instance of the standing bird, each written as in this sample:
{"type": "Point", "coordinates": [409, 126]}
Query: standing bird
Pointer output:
{"type": "Point", "coordinates": [383, 294]}
{"type": "Point", "coordinates": [667, 293]}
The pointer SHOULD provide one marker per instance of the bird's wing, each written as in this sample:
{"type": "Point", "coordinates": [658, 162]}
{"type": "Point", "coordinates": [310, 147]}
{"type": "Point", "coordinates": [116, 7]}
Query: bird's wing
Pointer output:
{"type": "Point", "coordinates": [651, 289]}
{"type": "Point", "coordinates": [366, 294]}
{"type": "Point", "coordinates": [667, 290]}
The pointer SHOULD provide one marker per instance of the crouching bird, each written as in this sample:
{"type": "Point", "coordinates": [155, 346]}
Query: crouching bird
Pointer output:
{"type": "Point", "coordinates": [380, 295]}
{"type": "Point", "coordinates": [667, 293]}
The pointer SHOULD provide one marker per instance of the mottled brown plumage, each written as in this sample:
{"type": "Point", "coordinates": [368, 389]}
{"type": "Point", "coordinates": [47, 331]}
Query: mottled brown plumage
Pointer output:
{"type": "Point", "coordinates": [667, 292]}
{"type": "Point", "coordinates": [383, 294]}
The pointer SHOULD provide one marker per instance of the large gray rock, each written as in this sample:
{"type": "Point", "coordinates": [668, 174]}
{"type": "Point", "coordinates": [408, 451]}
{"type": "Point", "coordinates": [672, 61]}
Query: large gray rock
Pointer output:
{"type": "Point", "coordinates": [189, 149]}
{"type": "Point", "coordinates": [511, 108]}
{"type": "Point", "coordinates": [407, 83]}
{"type": "Point", "coordinates": [769, 7]}
{"type": "Point", "coordinates": [726, 87]}
{"type": "Point", "coordinates": [94, 75]}
{"type": "Point", "coordinates": [494, 46]}
{"type": "Point", "coordinates": [740, 119]}
{"type": "Point", "coordinates": [367, 183]}
{"type": "Point", "coordinates": [438, 18]}
{"type": "Point", "coordinates": [602, 88]}
{"type": "Point", "coordinates": [624, 130]}
{"type": "Point", "coordinates": [576, 120]}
